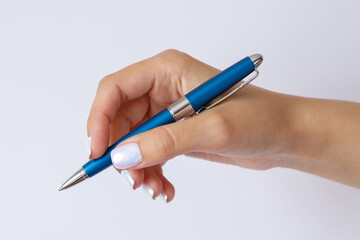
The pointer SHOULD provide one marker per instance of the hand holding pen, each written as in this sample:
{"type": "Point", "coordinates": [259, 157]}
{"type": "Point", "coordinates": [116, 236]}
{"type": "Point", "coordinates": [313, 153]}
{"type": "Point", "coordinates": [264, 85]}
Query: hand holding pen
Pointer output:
{"type": "Point", "coordinates": [254, 128]}
{"type": "Point", "coordinates": [204, 97]}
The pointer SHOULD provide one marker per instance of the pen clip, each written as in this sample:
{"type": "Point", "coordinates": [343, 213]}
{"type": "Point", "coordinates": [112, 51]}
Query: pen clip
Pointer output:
{"type": "Point", "coordinates": [243, 83]}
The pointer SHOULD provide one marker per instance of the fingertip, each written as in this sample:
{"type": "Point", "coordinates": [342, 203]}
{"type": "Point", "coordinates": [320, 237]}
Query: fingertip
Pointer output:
{"type": "Point", "coordinates": [98, 147]}
{"type": "Point", "coordinates": [152, 183]}
{"type": "Point", "coordinates": [98, 132]}
{"type": "Point", "coordinates": [138, 176]}
{"type": "Point", "coordinates": [168, 190]}
{"type": "Point", "coordinates": [135, 178]}
{"type": "Point", "coordinates": [127, 176]}
{"type": "Point", "coordinates": [88, 147]}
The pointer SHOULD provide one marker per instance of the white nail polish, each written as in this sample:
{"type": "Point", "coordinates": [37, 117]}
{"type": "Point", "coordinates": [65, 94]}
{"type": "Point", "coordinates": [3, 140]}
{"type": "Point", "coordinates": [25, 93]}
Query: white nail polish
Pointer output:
{"type": "Point", "coordinates": [128, 178]}
{"type": "Point", "coordinates": [126, 156]}
{"type": "Point", "coordinates": [88, 146]}
{"type": "Point", "coordinates": [164, 197]}
{"type": "Point", "coordinates": [149, 190]}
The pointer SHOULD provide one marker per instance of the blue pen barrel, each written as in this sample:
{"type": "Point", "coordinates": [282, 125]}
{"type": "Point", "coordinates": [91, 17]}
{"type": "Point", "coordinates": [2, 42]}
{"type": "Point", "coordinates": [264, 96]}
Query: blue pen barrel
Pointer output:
{"type": "Point", "coordinates": [220, 83]}
{"type": "Point", "coordinates": [197, 98]}
{"type": "Point", "coordinates": [97, 165]}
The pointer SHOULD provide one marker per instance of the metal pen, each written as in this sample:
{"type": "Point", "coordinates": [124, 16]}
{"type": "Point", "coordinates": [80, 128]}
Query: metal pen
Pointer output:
{"type": "Point", "coordinates": [205, 96]}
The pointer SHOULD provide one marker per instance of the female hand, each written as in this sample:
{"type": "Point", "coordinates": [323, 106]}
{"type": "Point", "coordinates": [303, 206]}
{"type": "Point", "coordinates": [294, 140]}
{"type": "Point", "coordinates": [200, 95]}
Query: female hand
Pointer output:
{"type": "Point", "coordinates": [255, 128]}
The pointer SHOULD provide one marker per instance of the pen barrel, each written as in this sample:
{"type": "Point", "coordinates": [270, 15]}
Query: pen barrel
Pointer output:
{"type": "Point", "coordinates": [220, 83]}
{"type": "Point", "coordinates": [97, 165]}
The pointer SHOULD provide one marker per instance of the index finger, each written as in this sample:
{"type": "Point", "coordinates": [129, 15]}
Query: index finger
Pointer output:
{"type": "Point", "coordinates": [129, 83]}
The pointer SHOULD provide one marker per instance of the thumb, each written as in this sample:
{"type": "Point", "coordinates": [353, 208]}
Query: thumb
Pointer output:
{"type": "Point", "coordinates": [198, 133]}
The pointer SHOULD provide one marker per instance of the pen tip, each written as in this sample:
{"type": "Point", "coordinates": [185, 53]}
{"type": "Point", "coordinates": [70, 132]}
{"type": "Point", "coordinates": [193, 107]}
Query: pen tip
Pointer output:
{"type": "Point", "coordinates": [74, 179]}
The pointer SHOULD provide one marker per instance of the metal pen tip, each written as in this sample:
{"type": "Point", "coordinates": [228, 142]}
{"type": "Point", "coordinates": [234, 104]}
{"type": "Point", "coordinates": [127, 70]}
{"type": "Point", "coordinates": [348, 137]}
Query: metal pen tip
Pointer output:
{"type": "Point", "coordinates": [79, 176]}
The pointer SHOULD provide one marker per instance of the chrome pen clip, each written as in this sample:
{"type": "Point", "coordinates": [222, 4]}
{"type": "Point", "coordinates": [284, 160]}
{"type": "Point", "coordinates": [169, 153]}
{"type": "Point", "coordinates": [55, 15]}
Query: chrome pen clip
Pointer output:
{"type": "Point", "coordinates": [220, 99]}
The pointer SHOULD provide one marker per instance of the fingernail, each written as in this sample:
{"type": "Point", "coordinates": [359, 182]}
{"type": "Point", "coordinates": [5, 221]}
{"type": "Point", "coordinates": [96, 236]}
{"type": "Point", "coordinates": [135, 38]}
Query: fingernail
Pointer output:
{"type": "Point", "coordinates": [164, 197]}
{"type": "Point", "coordinates": [126, 156]}
{"type": "Point", "coordinates": [88, 146]}
{"type": "Point", "coordinates": [128, 178]}
{"type": "Point", "coordinates": [149, 190]}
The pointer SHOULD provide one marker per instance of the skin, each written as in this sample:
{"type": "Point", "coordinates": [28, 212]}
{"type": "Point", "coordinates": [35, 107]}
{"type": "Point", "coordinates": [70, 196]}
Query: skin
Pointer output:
{"type": "Point", "coordinates": [255, 128]}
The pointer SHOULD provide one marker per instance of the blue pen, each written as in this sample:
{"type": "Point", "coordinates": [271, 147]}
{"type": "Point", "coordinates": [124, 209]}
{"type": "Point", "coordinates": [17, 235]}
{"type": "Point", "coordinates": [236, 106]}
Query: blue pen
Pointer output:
{"type": "Point", "coordinates": [201, 98]}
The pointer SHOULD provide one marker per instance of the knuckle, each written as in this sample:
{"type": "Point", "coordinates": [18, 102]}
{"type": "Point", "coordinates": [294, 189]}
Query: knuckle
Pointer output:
{"type": "Point", "coordinates": [105, 80]}
{"type": "Point", "coordinates": [165, 143]}
{"type": "Point", "coordinates": [171, 56]}
{"type": "Point", "coordinates": [172, 61]}
{"type": "Point", "coordinates": [221, 129]}
{"type": "Point", "coordinates": [170, 53]}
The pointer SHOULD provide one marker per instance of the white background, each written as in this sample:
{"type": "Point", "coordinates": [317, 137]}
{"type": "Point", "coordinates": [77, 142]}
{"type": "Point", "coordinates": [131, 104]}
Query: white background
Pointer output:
{"type": "Point", "coordinates": [52, 55]}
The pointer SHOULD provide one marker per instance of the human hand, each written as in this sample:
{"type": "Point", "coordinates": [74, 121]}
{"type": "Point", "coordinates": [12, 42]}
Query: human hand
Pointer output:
{"type": "Point", "coordinates": [254, 128]}
{"type": "Point", "coordinates": [246, 130]}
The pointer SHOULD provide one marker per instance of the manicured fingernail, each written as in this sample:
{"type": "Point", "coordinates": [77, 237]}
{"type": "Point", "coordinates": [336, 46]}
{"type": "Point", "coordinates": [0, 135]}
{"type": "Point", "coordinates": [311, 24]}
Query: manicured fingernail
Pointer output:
{"type": "Point", "coordinates": [88, 146]}
{"type": "Point", "coordinates": [164, 197]}
{"type": "Point", "coordinates": [126, 156]}
{"type": "Point", "coordinates": [128, 178]}
{"type": "Point", "coordinates": [149, 190]}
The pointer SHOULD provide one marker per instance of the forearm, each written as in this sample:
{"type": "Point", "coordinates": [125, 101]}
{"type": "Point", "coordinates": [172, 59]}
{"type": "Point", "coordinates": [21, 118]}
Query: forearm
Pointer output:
{"type": "Point", "coordinates": [324, 139]}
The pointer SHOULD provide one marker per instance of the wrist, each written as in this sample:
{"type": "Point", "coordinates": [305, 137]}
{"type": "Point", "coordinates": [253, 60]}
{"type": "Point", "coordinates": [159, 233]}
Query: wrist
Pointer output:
{"type": "Point", "coordinates": [304, 139]}
{"type": "Point", "coordinates": [322, 139]}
